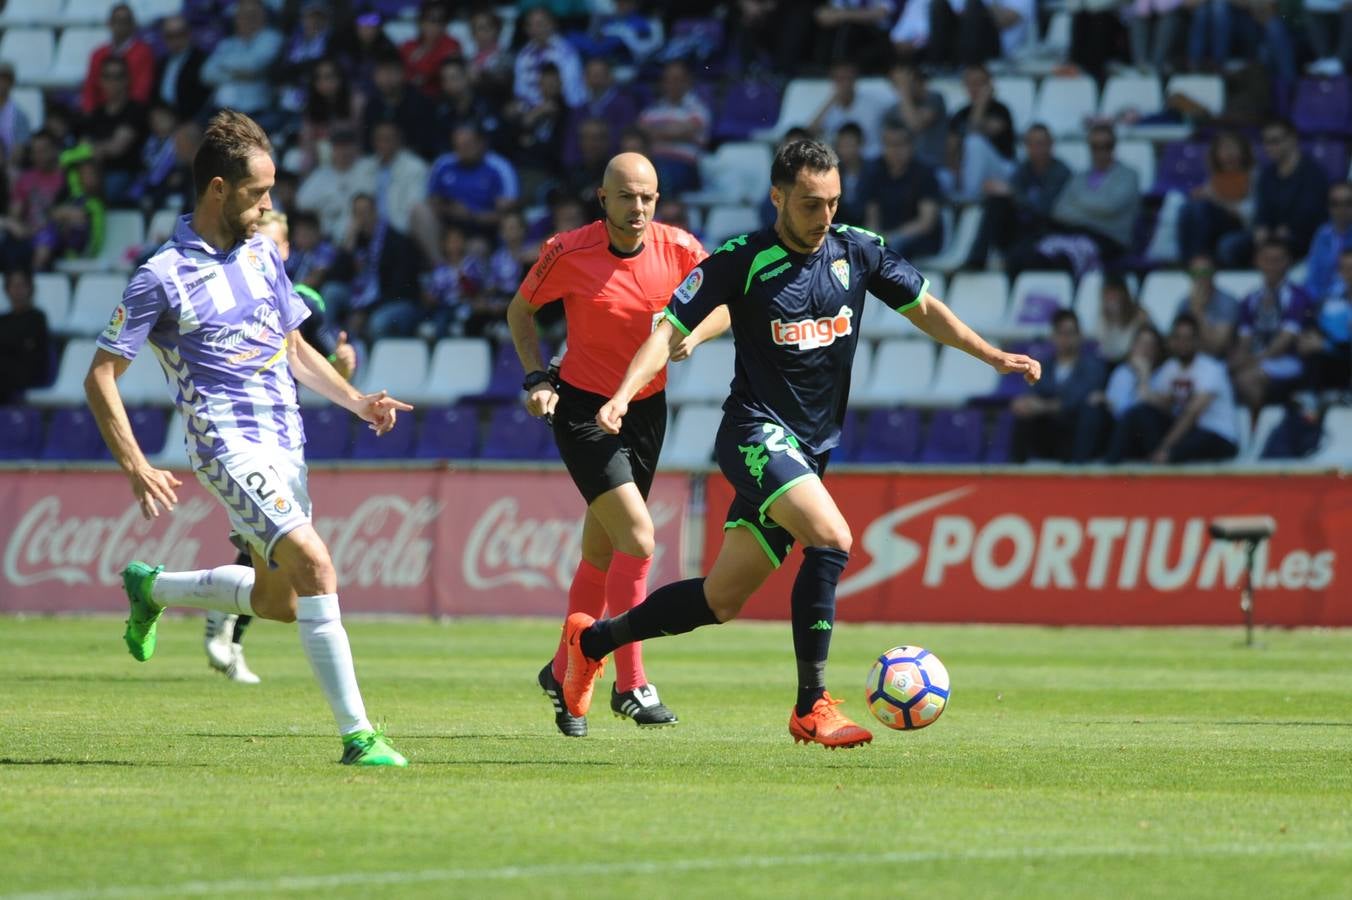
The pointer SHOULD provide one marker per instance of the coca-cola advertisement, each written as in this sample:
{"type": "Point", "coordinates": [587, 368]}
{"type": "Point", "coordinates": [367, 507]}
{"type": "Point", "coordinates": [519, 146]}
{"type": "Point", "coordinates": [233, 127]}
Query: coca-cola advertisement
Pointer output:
{"type": "Point", "coordinates": [432, 542]}
{"type": "Point", "coordinates": [1089, 549]}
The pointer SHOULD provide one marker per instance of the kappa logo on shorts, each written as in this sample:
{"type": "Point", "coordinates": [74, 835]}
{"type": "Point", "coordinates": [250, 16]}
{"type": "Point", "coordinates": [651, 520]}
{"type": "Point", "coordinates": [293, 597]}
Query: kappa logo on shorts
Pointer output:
{"type": "Point", "coordinates": [809, 334]}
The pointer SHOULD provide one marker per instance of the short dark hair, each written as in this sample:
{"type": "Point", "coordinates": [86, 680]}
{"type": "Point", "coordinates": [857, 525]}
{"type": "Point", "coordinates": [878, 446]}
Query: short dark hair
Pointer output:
{"type": "Point", "coordinates": [1037, 126]}
{"type": "Point", "coordinates": [1273, 244]}
{"type": "Point", "coordinates": [1065, 315]}
{"type": "Point", "coordinates": [851, 128]}
{"type": "Point", "coordinates": [305, 217]}
{"type": "Point", "coordinates": [793, 157]}
{"type": "Point", "coordinates": [1116, 283]}
{"type": "Point", "coordinates": [1187, 318]}
{"type": "Point", "coordinates": [231, 139]}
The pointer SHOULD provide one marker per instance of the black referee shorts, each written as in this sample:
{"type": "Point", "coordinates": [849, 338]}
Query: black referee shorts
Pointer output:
{"type": "Point", "coordinates": [599, 462]}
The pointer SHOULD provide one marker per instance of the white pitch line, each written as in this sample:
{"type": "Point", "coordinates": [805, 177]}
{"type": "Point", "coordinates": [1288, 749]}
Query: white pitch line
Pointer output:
{"type": "Point", "coordinates": [287, 883]}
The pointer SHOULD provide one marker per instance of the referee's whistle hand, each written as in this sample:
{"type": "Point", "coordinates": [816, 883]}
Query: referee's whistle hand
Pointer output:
{"type": "Point", "coordinates": [541, 401]}
{"type": "Point", "coordinates": [610, 416]}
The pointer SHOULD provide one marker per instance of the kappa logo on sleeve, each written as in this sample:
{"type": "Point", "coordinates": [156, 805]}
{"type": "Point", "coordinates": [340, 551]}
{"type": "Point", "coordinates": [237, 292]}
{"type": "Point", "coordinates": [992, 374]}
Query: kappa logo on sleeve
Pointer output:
{"type": "Point", "coordinates": [116, 323]}
{"type": "Point", "coordinates": [688, 288]}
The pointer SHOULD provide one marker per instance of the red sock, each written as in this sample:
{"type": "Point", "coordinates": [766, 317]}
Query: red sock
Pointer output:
{"type": "Point", "coordinates": [586, 594]}
{"type": "Point", "coordinates": [626, 586]}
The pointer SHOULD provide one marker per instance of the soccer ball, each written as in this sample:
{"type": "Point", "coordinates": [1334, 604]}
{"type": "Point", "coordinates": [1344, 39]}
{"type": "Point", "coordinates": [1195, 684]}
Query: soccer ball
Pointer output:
{"type": "Point", "coordinates": [907, 688]}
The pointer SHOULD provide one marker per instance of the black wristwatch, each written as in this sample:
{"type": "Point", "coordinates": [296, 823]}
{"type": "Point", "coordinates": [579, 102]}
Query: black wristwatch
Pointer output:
{"type": "Point", "coordinates": [537, 378]}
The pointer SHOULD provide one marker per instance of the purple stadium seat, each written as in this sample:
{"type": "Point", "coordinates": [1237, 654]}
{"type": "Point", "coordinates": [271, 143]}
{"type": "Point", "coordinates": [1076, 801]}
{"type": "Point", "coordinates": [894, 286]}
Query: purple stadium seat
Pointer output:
{"type": "Point", "coordinates": [514, 433]}
{"type": "Point", "coordinates": [20, 432]}
{"type": "Point", "coordinates": [328, 432]}
{"type": "Point", "coordinates": [1182, 167]}
{"type": "Point", "coordinates": [73, 434]}
{"type": "Point", "coordinates": [394, 444]}
{"type": "Point", "coordinates": [1332, 155]}
{"type": "Point", "coordinates": [149, 424]}
{"type": "Point", "coordinates": [1323, 105]}
{"type": "Point", "coordinates": [955, 436]}
{"type": "Point", "coordinates": [748, 106]}
{"type": "Point", "coordinates": [1002, 438]}
{"type": "Point", "coordinates": [891, 435]}
{"type": "Point", "coordinates": [504, 383]}
{"type": "Point", "coordinates": [448, 432]}
{"type": "Point", "coordinates": [850, 438]}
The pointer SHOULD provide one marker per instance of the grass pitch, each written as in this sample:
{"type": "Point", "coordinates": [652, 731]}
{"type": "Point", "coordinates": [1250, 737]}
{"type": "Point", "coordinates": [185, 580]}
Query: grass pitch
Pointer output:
{"type": "Point", "coordinates": [1076, 763]}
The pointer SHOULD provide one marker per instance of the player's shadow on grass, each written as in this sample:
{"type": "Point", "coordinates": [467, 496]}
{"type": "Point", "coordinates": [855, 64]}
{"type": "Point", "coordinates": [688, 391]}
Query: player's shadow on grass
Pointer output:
{"type": "Point", "coordinates": [52, 761]}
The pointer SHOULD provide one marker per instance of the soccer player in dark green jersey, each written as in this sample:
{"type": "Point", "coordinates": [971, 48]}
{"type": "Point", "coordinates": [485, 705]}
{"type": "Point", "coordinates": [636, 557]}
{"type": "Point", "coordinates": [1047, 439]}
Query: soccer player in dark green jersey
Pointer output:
{"type": "Point", "coordinates": [795, 294]}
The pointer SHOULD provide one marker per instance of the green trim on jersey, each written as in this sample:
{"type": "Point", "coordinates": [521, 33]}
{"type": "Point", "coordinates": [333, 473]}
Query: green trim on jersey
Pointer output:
{"type": "Point", "coordinates": [312, 295]}
{"type": "Point", "coordinates": [845, 229]}
{"type": "Point", "coordinates": [765, 507]}
{"type": "Point", "coordinates": [760, 538]}
{"type": "Point", "coordinates": [924, 289]}
{"type": "Point", "coordinates": [762, 260]}
{"type": "Point", "coordinates": [671, 317]}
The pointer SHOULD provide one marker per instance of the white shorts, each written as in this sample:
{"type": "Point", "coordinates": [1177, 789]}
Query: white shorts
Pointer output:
{"type": "Point", "coordinates": [264, 491]}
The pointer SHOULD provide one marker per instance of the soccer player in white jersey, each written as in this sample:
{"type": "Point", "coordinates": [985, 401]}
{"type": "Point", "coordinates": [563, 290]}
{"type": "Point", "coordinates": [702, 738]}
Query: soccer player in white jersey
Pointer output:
{"type": "Point", "coordinates": [217, 309]}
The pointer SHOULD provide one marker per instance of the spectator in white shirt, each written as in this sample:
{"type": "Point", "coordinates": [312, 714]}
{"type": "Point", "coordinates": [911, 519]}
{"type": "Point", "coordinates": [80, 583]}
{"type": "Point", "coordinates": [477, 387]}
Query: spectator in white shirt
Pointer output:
{"type": "Point", "coordinates": [848, 104]}
{"type": "Point", "coordinates": [393, 176]}
{"type": "Point", "coordinates": [328, 190]}
{"type": "Point", "coordinates": [239, 66]}
{"type": "Point", "coordinates": [677, 128]}
{"type": "Point", "coordinates": [546, 45]}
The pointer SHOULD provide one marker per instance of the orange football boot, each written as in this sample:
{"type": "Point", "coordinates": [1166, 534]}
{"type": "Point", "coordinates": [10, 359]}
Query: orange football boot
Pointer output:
{"type": "Point", "coordinates": [581, 673]}
{"type": "Point", "coordinates": [827, 726]}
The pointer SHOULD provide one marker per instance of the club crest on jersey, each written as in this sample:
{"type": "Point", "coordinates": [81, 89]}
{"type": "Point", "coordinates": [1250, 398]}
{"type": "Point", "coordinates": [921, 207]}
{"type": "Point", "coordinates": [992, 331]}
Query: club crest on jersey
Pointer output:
{"type": "Point", "coordinates": [841, 269]}
{"type": "Point", "coordinates": [255, 261]}
{"type": "Point", "coordinates": [809, 334]}
{"type": "Point", "coordinates": [690, 286]}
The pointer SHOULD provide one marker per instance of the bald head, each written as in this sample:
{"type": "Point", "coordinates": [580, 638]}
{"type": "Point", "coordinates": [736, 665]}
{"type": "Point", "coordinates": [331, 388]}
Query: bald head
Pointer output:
{"type": "Point", "coordinates": [628, 193]}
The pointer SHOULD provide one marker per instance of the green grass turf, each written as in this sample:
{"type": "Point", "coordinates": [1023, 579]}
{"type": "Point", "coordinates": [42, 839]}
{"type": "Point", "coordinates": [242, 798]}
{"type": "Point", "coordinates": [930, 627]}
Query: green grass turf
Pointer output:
{"type": "Point", "coordinates": [1089, 763]}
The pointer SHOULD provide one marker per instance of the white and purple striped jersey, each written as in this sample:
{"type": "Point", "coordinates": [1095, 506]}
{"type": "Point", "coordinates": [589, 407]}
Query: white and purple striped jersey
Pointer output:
{"type": "Point", "coordinates": [218, 324]}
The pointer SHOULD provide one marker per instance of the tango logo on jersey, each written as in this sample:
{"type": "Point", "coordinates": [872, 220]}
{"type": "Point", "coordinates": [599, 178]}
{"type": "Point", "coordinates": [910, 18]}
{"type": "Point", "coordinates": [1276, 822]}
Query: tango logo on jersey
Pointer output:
{"type": "Point", "coordinates": [841, 269]}
{"type": "Point", "coordinates": [809, 334]}
{"type": "Point", "coordinates": [690, 286]}
{"type": "Point", "coordinates": [116, 323]}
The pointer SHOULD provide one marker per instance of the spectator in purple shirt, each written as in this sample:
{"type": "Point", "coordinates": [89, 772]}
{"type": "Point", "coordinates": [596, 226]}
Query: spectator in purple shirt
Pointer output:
{"type": "Point", "coordinates": [1264, 365]}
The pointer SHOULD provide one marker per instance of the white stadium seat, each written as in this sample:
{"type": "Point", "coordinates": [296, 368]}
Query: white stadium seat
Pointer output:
{"type": "Point", "coordinates": [1243, 433]}
{"type": "Point", "coordinates": [174, 453]}
{"type": "Point", "coordinates": [901, 373]}
{"type": "Point", "coordinates": [68, 388]}
{"type": "Point", "coordinates": [1160, 296]}
{"type": "Point", "coordinates": [143, 384]}
{"type": "Point", "coordinates": [1138, 155]}
{"type": "Point", "coordinates": [1208, 90]}
{"type": "Point", "coordinates": [1064, 102]}
{"type": "Point", "coordinates": [1019, 93]}
{"type": "Point", "coordinates": [87, 12]}
{"type": "Point", "coordinates": [861, 369]}
{"type": "Point", "coordinates": [1335, 447]}
{"type": "Point", "coordinates": [51, 294]}
{"type": "Point", "coordinates": [1269, 417]}
{"type": "Point", "coordinates": [400, 30]}
{"type": "Point", "coordinates": [96, 296]}
{"type": "Point", "coordinates": [690, 440]}
{"type": "Point", "coordinates": [882, 321]}
{"type": "Point", "coordinates": [958, 240]}
{"type": "Point", "coordinates": [959, 377]}
{"type": "Point", "coordinates": [29, 99]}
{"type": "Point", "coordinates": [938, 283]}
{"type": "Point", "coordinates": [1056, 285]}
{"type": "Point", "coordinates": [123, 229]}
{"type": "Point", "coordinates": [724, 222]}
{"type": "Point", "coordinates": [953, 92]}
{"type": "Point", "coordinates": [397, 365]}
{"type": "Point", "coordinates": [29, 51]}
{"type": "Point", "coordinates": [70, 60]}
{"type": "Point", "coordinates": [150, 11]}
{"type": "Point", "coordinates": [802, 98]}
{"type": "Point", "coordinates": [1239, 283]}
{"type": "Point", "coordinates": [1075, 154]}
{"type": "Point", "coordinates": [737, 172]}
{"type": "Point", "coordinates": [32, 12]}
{"type": "Point", "coordinates": [980, 299]}
{"type": "Point", "coordinates": [1123, 93]}
{"type": "Point", "coordinates": [161, 227]}
{"type": "Point", "coordinates": [1089, 300]}
{"type": "Point", "coordinates": [460, 367]}
{"type": "Point", "coordinates": [705, 377]}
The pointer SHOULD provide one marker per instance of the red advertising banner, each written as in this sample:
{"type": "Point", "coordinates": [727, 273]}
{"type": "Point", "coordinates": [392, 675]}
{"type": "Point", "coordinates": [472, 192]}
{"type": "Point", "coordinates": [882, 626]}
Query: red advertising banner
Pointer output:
{"type": "Point", "coordinates": [433, 542]}
{"type": "Point", "coordinates": [1094, 550]}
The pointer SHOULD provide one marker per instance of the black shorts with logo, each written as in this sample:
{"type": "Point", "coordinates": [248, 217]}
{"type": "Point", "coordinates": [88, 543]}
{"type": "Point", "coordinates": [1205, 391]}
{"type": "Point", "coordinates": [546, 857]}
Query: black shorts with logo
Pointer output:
{"type": "Point", "coordinates": [762, 460]}
{"type": "Point", "coordinates": [599, 462]}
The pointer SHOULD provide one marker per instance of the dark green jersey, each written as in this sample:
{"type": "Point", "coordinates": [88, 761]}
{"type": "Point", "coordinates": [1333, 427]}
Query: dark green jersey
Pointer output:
{"type": "Point", "coordinates": [796, 321]}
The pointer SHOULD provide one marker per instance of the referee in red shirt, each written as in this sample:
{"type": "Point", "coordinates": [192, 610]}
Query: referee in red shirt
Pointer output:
{"type": "Point", "coordinates": [615, 277]}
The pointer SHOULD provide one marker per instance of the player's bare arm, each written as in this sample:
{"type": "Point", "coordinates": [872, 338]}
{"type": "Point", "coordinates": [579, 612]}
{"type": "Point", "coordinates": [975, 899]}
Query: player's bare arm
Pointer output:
{"type": "Point", "coordinates": [542, 398]}
{"type": "Point", "coordinates": [715, 324]}
{"type": "Point", "coordinates": [655, 353]}
{"type": "Point", "coordinates": [315, 372]}
{"type": "Point", "coordinates": [154, 488]}
{"type": "Point", "coordinates": [933, 317]}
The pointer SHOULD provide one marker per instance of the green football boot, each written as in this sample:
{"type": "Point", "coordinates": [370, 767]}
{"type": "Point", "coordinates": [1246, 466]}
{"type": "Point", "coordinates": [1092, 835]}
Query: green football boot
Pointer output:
{"type": "Point", "coordinates": [369, 748]}
{"type": "Point", "coordinates": [137, 579]}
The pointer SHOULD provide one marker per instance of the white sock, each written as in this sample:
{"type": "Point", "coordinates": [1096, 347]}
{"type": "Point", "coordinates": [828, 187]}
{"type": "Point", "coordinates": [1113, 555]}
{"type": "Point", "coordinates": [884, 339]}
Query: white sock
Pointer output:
{"type": "Point", "coordinates": [223, 589]}
{"type": "Point", "coordinates": [325, 642]}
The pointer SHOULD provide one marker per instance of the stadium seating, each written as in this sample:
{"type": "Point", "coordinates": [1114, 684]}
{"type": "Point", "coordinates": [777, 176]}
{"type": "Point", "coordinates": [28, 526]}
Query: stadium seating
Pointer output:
{"type": "Point", "coordinates": [68, 388]}
{"type": "Point", "coordinates": [504, 378]}
{"type": "Point", "coordinates": [979, 299]}
{"type": "Point", "coordinates": [123, 229]}
{"type": "Point", "coordinates": [1138, 155]}
{"type": "Point", "coordinates": [890, 435]}
{"type": "Point", "coordinates": [705, 377]}
{"type": "Point", "coordinates": [150, 426]}
{"type": "Point", "coordinates": [1181, 167]}
{"type": "Point", "coordinates": [1088, 299]}
{"type": "Point", "coordinates": [148, 11]}
{"type": "Point", "coordinates": [1017, 92]}
{"type": "Point", "coordinates": [1035, 297]}
{"type": "Point", "coordinates": [958, 240]}
{"type": "Point", "coordinates": [1208, 90]}
{"type": "Point", "coordinates": [881, 321]}
{"type": "Point", "coordinates": [1323, 106]}
{"type": "Point", "coordinates": [173, 453]}
{"type": "Point", "coordinates": [144, 382]}
{"type": "Point", "coordinates": [328, 432]}
{"type": "Point", "coordinates": [999, 449]}
{"type": "Point", "coordinates": [70, 58]}
{"type": "Point", "coordinates": [397, 365]}
{"type": "Point", "coordinates": [1074, 153]}
{"type": "Point", "coordinates": [737, 172]}
{"type": "Point", "coordinates": [20, 432]}
{"type": "Point", "coordinates": [802, 98]}
{"type": "Point", "coordinates": [1064, 102]}
{"type": "Point", "coordinates": [959, 377]}
{"type": "Point", "coordinates": [901, 373]}
{"type": "Point", "coordinates": [459, 368]}
{"type": "Point", "coordinates": [448, 432]}
{"type": "Point", "coordinates": [953, 92]}
{"type": "Point", "coordinates": [749, 106]}
{"type": "Point", "coordinates": [1335, 447]}
{"type": "Point", "coordinates": [1269, 417]}
{"type": "Point", "coordinates": [690, 439]}
{"type": "Point", "coordinates": [397, 443]}
{"type": "Point", "coordinates": [29, 99]}
{"type": "Point", "coordinates": [955, 436]}
{"type": "Point", "coordinates": [96, 296]}
{"type": "Point", "coordinates": [73, 434]}
{"type": "Point", "coordinates": [1131, 93]}
{"type": "Point", "coordinates": [51, 294]}
{"type": "Point", "coordinates": [724, 222]}
{"type": "Point", "coordinates": [161, 227]}
{"type": "Point", "coordinates": [515, 434]}
{"type": "Point", "coordinates": [1239, 283]}
{"type": "Point", "coordinates": [21, 13]}
{"type": "Point", "coordinates": [861, 369]}
{"type": "Point", "coordinates": [1160, 295]}
{"type": "Point", "coordinates": [29, 51]}
{"type": "Point", "coordinates": [1330, 154]}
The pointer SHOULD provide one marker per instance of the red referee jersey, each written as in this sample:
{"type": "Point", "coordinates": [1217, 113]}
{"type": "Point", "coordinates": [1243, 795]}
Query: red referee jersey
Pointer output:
{"type": "Point", "coordinates": [612, 302]}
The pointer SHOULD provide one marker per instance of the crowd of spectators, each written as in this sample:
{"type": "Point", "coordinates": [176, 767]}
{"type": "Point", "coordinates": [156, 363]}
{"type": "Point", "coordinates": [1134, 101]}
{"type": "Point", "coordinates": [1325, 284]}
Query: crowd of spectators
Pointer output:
{"type": "Point", "coordinates": [421, 176]}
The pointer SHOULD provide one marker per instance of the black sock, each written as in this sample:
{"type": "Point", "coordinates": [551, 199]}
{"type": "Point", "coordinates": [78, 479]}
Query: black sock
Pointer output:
{"type": "Point", "coordinates": [814, 615]}
{"type": "Point", "coordinates": [671, 609]}
{"type": "Point", "coordinates": [241, 625]}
